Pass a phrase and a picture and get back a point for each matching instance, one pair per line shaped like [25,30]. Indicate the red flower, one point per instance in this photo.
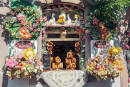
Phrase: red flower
[48,8]
[43,38]
[20,64]
[19,67]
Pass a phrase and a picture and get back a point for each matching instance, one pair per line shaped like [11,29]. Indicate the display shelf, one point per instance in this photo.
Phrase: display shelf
[62,39]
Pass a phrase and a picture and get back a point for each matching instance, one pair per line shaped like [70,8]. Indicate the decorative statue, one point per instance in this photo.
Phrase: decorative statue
[52,21]
[63,34]
[77,23]
[69,20]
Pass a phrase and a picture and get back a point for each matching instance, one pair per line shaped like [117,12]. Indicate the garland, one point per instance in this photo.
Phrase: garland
[23,17]
[96,21]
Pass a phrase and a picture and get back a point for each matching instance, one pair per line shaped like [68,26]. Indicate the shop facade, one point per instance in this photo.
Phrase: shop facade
[61,36]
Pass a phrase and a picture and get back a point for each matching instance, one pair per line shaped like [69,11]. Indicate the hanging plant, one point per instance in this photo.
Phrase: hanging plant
[101,26]
[23,22]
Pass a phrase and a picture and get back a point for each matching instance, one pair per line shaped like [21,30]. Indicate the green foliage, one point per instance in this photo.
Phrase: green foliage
[114,7]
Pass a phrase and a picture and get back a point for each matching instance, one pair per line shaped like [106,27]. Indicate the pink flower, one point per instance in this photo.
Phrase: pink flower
[116,22]
[38,64]
[84,37]
[12,13]
[35,30]
[80,30]
[34,25]
[127,47]
[110,68]
[59,6]
[20,17]
[83,22]
[93,37]
[129,79]
[35,61]
[116,28]
[44,19]
[31,28]
[64,5]
[5,17]
[95,21]
[10,63]
[87,31]
[37,20]
[30,35]
[43,38]
[129,34]
[18,56]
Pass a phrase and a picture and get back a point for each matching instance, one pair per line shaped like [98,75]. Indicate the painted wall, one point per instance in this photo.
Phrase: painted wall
[4,37]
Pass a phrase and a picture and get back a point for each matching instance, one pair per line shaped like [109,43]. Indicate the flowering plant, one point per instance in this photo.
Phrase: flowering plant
[16,67]
[110,68]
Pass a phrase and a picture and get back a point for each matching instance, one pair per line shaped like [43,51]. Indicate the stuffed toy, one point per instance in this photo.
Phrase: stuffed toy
[114,51]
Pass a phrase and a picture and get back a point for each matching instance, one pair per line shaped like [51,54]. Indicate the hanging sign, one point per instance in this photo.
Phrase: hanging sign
[20,45]
[23,44]
[100,47]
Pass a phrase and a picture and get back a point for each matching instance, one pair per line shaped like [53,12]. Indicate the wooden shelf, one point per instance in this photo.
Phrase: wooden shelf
[62,39]
[58,32]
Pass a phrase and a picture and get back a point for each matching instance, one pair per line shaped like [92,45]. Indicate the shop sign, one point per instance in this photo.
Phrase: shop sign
[23,44]
[100,47]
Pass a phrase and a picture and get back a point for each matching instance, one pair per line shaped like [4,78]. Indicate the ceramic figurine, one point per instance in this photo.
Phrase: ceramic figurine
[69,20]
[77,23]
[52,21]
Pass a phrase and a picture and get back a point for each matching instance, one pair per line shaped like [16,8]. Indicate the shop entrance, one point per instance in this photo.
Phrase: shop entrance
[63,45]
[61,48]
